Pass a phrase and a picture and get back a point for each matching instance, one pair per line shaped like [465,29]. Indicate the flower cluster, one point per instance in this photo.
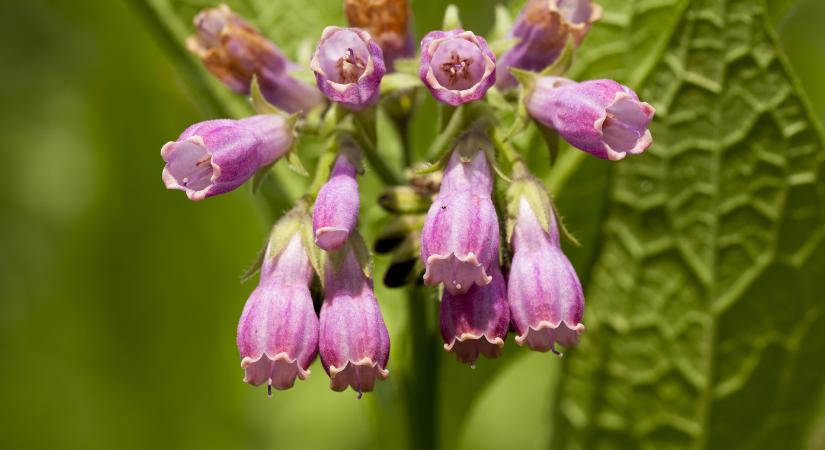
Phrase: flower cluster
[446,230]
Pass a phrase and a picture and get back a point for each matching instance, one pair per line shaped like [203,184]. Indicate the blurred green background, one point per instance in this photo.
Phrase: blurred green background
[119,300]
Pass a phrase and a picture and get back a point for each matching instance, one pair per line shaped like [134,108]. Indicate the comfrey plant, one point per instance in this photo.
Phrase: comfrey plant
[474,224]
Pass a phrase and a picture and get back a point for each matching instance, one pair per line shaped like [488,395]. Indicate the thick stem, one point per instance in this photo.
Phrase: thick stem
[366,135]
[422,378]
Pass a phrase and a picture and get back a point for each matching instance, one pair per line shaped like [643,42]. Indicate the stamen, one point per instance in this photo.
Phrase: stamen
[350,66]
[457,68]
[269,390]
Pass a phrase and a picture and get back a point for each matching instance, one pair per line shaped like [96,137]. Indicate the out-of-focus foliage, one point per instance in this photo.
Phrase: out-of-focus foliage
[119,300]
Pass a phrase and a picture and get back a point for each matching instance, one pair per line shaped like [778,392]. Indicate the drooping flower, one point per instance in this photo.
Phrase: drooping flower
[348,66]
[476,322]
[601,117]
[543,29]
[388,21]
[459,242]
[234,51]
[336,207]
[355,343]
[217,156]
[278,330]
[457,66]
[544,292]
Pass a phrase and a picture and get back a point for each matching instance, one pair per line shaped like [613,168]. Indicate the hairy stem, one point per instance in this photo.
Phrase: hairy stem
[421,382]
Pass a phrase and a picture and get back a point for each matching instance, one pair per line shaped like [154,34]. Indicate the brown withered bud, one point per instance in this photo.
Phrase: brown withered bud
[388,21]
[234,51]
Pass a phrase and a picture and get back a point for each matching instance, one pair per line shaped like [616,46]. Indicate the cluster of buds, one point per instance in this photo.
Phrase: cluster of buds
[446,229]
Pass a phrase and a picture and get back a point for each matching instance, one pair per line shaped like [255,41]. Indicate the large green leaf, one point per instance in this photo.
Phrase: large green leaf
[705,325]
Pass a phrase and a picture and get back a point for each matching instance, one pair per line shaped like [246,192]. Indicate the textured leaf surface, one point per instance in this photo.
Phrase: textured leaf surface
[705,325]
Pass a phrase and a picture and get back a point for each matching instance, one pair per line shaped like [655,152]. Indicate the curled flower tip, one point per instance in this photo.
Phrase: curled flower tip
[388,21]
[459,242]
[278,329]
[234,51]
[544,292]
[354,342]
[543,29]
[456,66]
[348,66]
[601,117]
[476,322]
[335,213]
[217,156]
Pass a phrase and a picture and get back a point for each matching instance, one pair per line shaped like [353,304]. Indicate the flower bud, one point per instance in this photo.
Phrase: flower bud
[348,66]
[601,117]
[388,21]
[476,322]
[456,66]
[544,292]
[355,343]
[234,51]
[336,207]
[543,29]
[404,200]
[278,330]
[459,242]
[217,156]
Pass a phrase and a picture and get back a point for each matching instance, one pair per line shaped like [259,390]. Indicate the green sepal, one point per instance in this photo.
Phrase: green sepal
[261,104]
[399,81]
[286,227]
[259,177]
[525,77]
[452,20]
[502,25]
[294,163]
[551,139]
[255,267]
[562,64]
[315,253]
[356,244]
[477,140]
[532,190]
[500,46]
[404,200]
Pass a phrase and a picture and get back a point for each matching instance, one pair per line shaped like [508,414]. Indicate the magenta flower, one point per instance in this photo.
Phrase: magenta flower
[459,242]
[278,330]
[348,66]
[234,51]
[355,343]
[217,156]
[543,27]
[476,322]
[546,299]
[456,66]
[336,207]
[601,117]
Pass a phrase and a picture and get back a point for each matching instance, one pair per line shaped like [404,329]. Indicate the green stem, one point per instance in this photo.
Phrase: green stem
[322,170]
[422,378]
[367,136]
